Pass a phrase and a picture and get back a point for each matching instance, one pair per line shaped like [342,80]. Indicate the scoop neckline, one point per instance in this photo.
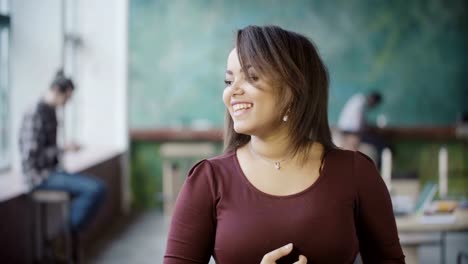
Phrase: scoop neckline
[309,188]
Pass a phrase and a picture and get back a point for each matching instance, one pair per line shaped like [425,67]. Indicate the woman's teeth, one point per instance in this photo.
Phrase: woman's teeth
[237,107]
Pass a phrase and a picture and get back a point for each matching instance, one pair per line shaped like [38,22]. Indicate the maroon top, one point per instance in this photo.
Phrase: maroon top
[347,210]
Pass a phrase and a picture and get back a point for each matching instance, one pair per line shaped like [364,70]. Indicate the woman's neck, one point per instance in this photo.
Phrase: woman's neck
[279,149]
[271,148]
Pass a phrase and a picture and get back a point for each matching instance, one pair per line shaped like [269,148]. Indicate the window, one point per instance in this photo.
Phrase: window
[5,125]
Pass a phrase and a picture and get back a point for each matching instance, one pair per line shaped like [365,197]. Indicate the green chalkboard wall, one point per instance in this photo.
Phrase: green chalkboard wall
[414,52]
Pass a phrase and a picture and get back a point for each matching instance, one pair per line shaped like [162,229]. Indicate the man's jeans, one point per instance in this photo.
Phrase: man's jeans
[87,194]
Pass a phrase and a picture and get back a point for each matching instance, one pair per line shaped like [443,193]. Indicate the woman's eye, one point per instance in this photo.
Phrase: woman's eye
[254,78]
[227,82]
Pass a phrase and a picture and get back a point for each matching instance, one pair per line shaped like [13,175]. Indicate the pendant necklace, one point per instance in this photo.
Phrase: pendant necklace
[277,164]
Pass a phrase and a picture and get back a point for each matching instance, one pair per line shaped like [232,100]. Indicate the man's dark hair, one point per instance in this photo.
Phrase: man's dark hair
[62,83]
[376,97]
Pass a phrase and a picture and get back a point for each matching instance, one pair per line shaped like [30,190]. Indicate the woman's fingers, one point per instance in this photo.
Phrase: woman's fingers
[276,254]
[302,260]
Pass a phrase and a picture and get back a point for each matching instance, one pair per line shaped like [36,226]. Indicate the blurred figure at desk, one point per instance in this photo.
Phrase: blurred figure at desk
[354,127]
[41,156]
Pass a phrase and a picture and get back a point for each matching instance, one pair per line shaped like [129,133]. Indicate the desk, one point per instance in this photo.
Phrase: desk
[411,225]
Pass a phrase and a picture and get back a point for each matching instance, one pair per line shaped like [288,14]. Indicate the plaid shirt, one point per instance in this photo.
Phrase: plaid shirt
[40,154]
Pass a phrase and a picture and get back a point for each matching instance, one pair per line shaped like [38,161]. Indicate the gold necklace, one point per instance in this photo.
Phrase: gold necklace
[277,164]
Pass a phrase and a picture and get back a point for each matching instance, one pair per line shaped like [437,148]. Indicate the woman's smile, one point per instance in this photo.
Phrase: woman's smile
[241,108]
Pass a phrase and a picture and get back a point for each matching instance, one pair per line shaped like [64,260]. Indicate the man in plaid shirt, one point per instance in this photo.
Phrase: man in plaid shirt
[38,141]
[41,156]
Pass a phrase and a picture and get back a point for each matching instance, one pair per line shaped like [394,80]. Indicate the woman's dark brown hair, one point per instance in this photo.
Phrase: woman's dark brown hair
[291,60]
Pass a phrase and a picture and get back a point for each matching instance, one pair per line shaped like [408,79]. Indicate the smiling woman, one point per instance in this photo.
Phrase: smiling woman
[281,192]
[274,66]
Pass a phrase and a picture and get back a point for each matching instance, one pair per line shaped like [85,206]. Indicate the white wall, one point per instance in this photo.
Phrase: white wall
[99,110]
[35,49]
[102,72]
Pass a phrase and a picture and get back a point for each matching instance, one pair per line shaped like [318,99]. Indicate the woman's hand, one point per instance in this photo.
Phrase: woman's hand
[276,254]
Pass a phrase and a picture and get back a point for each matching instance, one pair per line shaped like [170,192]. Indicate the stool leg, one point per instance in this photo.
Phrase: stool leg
[66,232]
[37,232]
[76,254]
[46,243]
[43,231]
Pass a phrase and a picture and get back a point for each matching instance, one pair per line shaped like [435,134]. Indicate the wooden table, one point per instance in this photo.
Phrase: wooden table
[411,225]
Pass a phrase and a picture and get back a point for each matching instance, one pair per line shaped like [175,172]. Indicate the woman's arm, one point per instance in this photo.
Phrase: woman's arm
[375,222]
[193,226]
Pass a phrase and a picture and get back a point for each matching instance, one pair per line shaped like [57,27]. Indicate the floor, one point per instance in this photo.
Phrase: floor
[140,239]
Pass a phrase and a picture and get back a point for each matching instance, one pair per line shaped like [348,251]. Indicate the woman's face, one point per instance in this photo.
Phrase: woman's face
[253,106]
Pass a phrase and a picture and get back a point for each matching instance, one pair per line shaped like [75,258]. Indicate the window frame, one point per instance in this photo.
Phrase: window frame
[5,97]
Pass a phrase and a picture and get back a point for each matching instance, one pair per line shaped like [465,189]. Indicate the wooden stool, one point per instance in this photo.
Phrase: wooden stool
[45,227]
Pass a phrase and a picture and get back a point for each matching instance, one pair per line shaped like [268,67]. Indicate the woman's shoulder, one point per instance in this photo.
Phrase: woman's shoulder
[214,172]
[226,159]
[339,154]
[348,160]
[215,164]
[352,167]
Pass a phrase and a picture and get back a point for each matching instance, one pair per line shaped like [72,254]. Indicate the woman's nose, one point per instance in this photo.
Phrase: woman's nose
[237,87]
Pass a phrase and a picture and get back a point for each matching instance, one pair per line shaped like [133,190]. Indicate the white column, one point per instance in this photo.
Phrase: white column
[443,172]
[386,169]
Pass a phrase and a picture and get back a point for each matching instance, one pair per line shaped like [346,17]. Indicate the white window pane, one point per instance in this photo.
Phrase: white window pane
[5,154]
[4,7]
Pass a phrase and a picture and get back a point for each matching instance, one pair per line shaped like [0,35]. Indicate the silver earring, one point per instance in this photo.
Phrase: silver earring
[285,117]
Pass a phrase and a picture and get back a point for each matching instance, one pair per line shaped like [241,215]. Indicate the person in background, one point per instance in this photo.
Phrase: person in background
[282,192]
[41,157]
[353,125]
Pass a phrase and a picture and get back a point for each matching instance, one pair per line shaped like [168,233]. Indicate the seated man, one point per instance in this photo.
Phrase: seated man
[41,157]
[354,126]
